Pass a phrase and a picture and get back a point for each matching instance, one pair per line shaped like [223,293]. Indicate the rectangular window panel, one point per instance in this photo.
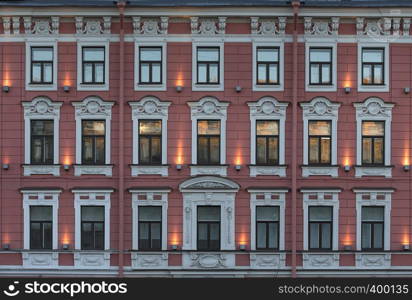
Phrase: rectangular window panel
[202,73]
[150,127]
[273,74]
[320,55]
[207,54]
[373,128]
[267,54]
[93,54]
[319,128]
[313,150]
[314,74]
[150,54]
[213,73]
[261,236]
[320,213]
[367,74]
[262,74]
[41,227]
[267,213]
[326,71]
[99,73]
[156,73]
[36,72]
[88,73]
[372,55]
[378,74]
[314,235]
[325,154]
[366,236]
[373,213]
[144,72]
[42,145]
[267,127]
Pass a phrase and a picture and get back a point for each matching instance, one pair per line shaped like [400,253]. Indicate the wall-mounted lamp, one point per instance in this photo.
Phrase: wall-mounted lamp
[347,90]
[175,247]
[346,168]
[6,88]
[179,88]
[238,89]
[178,167]
[238,167]
[66,88]
[406,168]
[65,246]
[6,246]
[407,90]
[6,166]
[242,247]
[406,247]
[347,248]
[66,167]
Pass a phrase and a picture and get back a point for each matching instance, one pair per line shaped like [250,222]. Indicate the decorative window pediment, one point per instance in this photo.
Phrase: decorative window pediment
[321,28]
[93,106]
[151,107]
[320,107]
[208,26]
[41,26]
[268,107]
[374,108]
[152,26]
[208,107]
[93,26]
[383,28]
[208,182]
[42,107]
[269,27]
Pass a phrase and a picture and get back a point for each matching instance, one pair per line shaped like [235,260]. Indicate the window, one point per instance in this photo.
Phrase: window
[150,65]
[93,65]
[208,228]
[41,233]
[372,227]
[150,142]
[373,137]
[373,66]
[41,65]
[319,142]
[320,227]
[93,142]
[320,61]
[42,141]
[267,142]
[150,227]
[92,227]
[267,61]
[208,60]
[267,227]
[208,142]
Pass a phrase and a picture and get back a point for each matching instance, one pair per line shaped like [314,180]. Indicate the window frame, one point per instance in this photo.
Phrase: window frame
[320,228]
[373,64]
[267,230]
[208,136]
[151,163]
[373,143]
[139,226]
[319,139]
[93,223]
[93,63]
[266,137]
[43,162]
[42,66]
[94,142]
[267,66]
[321,63]
[372,223]
[208,223]
[41,229]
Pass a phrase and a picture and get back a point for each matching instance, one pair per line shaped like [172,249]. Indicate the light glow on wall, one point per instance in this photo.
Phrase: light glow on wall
[406,154]
[66,81]
[174,239]
[405,237]
[6,77]
[6,238]
[347,239]
[179,80]
[347,81]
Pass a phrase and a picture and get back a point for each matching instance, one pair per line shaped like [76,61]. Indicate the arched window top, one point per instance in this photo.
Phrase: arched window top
[93,106]
[208,106]
[320,106]
[208,182]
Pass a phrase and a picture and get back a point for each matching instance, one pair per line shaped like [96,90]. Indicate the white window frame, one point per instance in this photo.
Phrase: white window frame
[149,202]
[41,108]
[209,190]
[373,201]
[373,109]
[92,87]
[320,108]
[208,87]
[321,88]
[374,88]
[150,87]
[79,201]
[268,88]
[93,108]
[41,43]
[35,197]
[267,108]
[209,108]
[267,201]
[321,201]
[149,108]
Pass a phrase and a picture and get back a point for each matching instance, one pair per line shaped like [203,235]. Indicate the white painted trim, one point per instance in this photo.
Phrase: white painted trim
[321,201]
[267,201]
[270,43]
[153,87]
[91,200]
[387,65]
[209,108]
[373,201]
[40,200]
[322,44]
[149,202]
[98,42]
[199,42]
[41,43]
[208,170]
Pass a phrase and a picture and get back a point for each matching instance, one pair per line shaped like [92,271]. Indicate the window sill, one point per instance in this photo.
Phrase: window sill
[150,87]
[207,87]
[29,170]
[40,259]
[373,88]
[321,88]
[93,170]
[320,260]
[220,170]
[92,87]
[97,259]
[385,171]
[150,260]
[267,260]
[373,260]
[137,170]
[268,88]
[207,260]
[256,170]
[41,87]
[319,170]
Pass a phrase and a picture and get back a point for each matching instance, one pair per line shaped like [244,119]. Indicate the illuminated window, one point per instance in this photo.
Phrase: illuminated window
[42,141]
[320,142]
[150,227]
[93,142]
[373,66]
[320,227]
[208,142]
[372,227]
[267,227]
[150,65]
[208,60]
[373,139]
[320,60]
[267,61]
[41,65]
[150,141]
[41,224]
[93,65]
[92,227]
[208,228]
[267,142]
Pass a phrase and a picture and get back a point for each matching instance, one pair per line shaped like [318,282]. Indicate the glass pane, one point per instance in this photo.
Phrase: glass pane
[87,236]
[87,149]
[215,150]
[378,150]
[88,73]
[373,128]
[208,213]
[268,54]
[314,235]
[319,128]
[367,150]
[314,150]
[152,127]
[202,150]
[41,213]
[42,127]
[273,150]
[100,150]
[207,54]
[42,54]
[326,235]
[93,54]
[314,74]
[261,235]
[202,232]
[326,74]
[261,150]
[37,150]
[213,73]
[156,73]
[366,236]
[144,151]
[320,55]
[325,150]
[93,127]
[273,235]
[267,213]
[378,74]
[36,72]
[267,128]
[208,127]
[262,74]
[367,74]
[156,150]
[144,73]
[143,231]
[99,73]
[48,149]
[93,213]
[47,235]
[214,243]
[150,213]
[151,54]
[201,73]
[98,236]
[378,235]
[320,213]
[35,236]
[48,73]
[273,74]
[372,213]
[156,234]
[372,55]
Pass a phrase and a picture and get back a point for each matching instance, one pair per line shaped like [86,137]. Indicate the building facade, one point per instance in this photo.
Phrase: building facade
[219,139]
